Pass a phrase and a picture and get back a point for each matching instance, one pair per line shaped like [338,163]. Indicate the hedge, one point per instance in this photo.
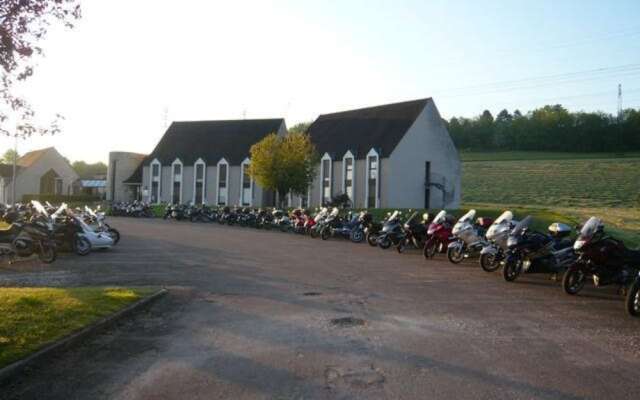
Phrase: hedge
[57,199]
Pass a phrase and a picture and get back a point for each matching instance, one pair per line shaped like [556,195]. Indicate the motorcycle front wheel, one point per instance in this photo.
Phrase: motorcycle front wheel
[455,255]
[402,245]
[82,246]
[510,271]
[372,239]
[47,253]
[430,249]
[324,235]
[115,235]
[489,262]
[633,299]
[573,280]
[356,236]
[384,243]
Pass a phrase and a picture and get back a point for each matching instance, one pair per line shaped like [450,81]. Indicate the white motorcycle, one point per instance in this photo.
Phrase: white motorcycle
[98,239]
[493,254]
[99,218]
[469,240]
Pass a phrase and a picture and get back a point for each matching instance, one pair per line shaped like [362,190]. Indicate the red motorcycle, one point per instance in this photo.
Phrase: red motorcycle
[298,219]
[607,261]
[438,235]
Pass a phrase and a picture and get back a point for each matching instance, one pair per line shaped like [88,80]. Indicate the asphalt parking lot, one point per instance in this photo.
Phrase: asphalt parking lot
[264,315]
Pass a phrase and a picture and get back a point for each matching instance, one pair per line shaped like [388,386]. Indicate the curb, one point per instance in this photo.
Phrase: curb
[66,342]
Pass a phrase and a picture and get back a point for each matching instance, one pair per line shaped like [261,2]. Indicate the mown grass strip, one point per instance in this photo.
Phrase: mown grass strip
[35,317]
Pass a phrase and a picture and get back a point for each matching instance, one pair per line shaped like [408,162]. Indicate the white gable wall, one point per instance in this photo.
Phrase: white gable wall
[426,140]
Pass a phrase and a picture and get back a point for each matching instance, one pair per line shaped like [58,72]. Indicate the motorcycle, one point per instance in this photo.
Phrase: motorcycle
[67,232]
[99,239]
[318,222]
[281,220]
[371,228]
[468,237]
[493,254]
[438,235]
[99,219]
[175,211]
[392,231]
[24,239]
[535,252]
[348,227]
[607,261]
[415,232]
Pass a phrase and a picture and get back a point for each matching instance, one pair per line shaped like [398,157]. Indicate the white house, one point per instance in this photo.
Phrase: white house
[397,155]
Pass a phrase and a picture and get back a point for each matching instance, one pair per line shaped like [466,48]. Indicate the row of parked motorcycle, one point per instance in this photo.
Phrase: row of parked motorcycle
[591,254]
[136,209]
[41,230]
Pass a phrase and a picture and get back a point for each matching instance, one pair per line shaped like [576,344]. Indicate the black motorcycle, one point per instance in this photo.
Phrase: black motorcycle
[23,239]
[415,232]
[370,228]
[175,211]
[607,261]
[534,252]
[392,231]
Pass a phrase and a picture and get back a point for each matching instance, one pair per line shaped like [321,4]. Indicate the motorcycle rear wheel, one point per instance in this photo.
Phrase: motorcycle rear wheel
[455,255]
[402,245]
[324,235]
[573,281]
[632,301]
[488,262]
[47,254]
[356,236]
[372,239]
[115,235]
[313,232]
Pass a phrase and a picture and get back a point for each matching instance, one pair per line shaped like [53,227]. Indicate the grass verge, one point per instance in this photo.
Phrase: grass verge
[35,317]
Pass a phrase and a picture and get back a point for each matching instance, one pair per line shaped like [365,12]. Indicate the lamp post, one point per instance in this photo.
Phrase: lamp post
[15,157]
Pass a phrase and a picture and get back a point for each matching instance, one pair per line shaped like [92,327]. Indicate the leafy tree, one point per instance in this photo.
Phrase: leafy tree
[9,156]
[284,163]
[300,127]
[23,24]
[86,170]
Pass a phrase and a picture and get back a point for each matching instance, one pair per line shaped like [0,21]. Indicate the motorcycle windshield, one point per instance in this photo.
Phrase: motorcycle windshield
[411,218]
[39,207]
[59,211]
[521,226]
[89,211]
[503,220]
[394,216]
[334,212]
[440,217]
[467,217]
[590,228]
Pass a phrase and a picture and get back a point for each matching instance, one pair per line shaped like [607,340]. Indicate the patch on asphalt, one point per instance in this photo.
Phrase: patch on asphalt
[360,378]
[311,294]
[347,322]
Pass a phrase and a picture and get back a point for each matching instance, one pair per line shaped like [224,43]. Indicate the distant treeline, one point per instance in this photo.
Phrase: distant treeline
[550,128]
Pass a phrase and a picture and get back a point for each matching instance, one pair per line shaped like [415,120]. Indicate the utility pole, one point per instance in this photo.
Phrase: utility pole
[619,102]
[15,160]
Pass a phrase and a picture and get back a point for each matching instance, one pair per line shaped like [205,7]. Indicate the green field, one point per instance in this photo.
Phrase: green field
[575,186]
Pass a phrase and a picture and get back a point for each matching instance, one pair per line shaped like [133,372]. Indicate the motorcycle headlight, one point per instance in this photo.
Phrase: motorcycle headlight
[512,241]
[579,244]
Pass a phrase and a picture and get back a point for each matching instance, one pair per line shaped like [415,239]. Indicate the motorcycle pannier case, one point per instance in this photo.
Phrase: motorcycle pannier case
[559,230]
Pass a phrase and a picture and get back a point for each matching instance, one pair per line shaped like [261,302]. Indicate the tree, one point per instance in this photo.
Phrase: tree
[284,163]
[9,156]
[23,24]
[85,170]
[300,127]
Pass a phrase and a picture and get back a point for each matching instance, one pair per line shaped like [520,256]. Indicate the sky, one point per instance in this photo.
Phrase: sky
[130,67]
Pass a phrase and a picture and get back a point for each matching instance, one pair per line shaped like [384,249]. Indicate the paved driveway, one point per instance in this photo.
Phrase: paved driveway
[249,316]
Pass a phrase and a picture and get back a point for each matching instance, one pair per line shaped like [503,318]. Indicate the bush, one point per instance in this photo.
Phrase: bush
[57,199]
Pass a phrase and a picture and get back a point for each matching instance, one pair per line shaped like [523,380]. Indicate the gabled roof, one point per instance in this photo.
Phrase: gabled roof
[211,140]
[380,127]
[31,157]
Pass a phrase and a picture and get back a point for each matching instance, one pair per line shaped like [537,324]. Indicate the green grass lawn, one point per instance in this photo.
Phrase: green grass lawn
[33,317]
[539,155]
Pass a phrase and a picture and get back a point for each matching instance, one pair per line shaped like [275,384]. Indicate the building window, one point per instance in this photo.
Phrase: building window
[246,184]
[155,181]
[176,193]
[325,180]
[198,182]
[58,186]
[372,179]
[223,178]
[347,176]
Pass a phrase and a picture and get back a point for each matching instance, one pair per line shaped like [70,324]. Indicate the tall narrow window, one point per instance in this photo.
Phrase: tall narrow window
[198,182]
[246,184]
[223,178]
[372,179]
[325,179]
[155,181]
[176,193]
[348,162]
